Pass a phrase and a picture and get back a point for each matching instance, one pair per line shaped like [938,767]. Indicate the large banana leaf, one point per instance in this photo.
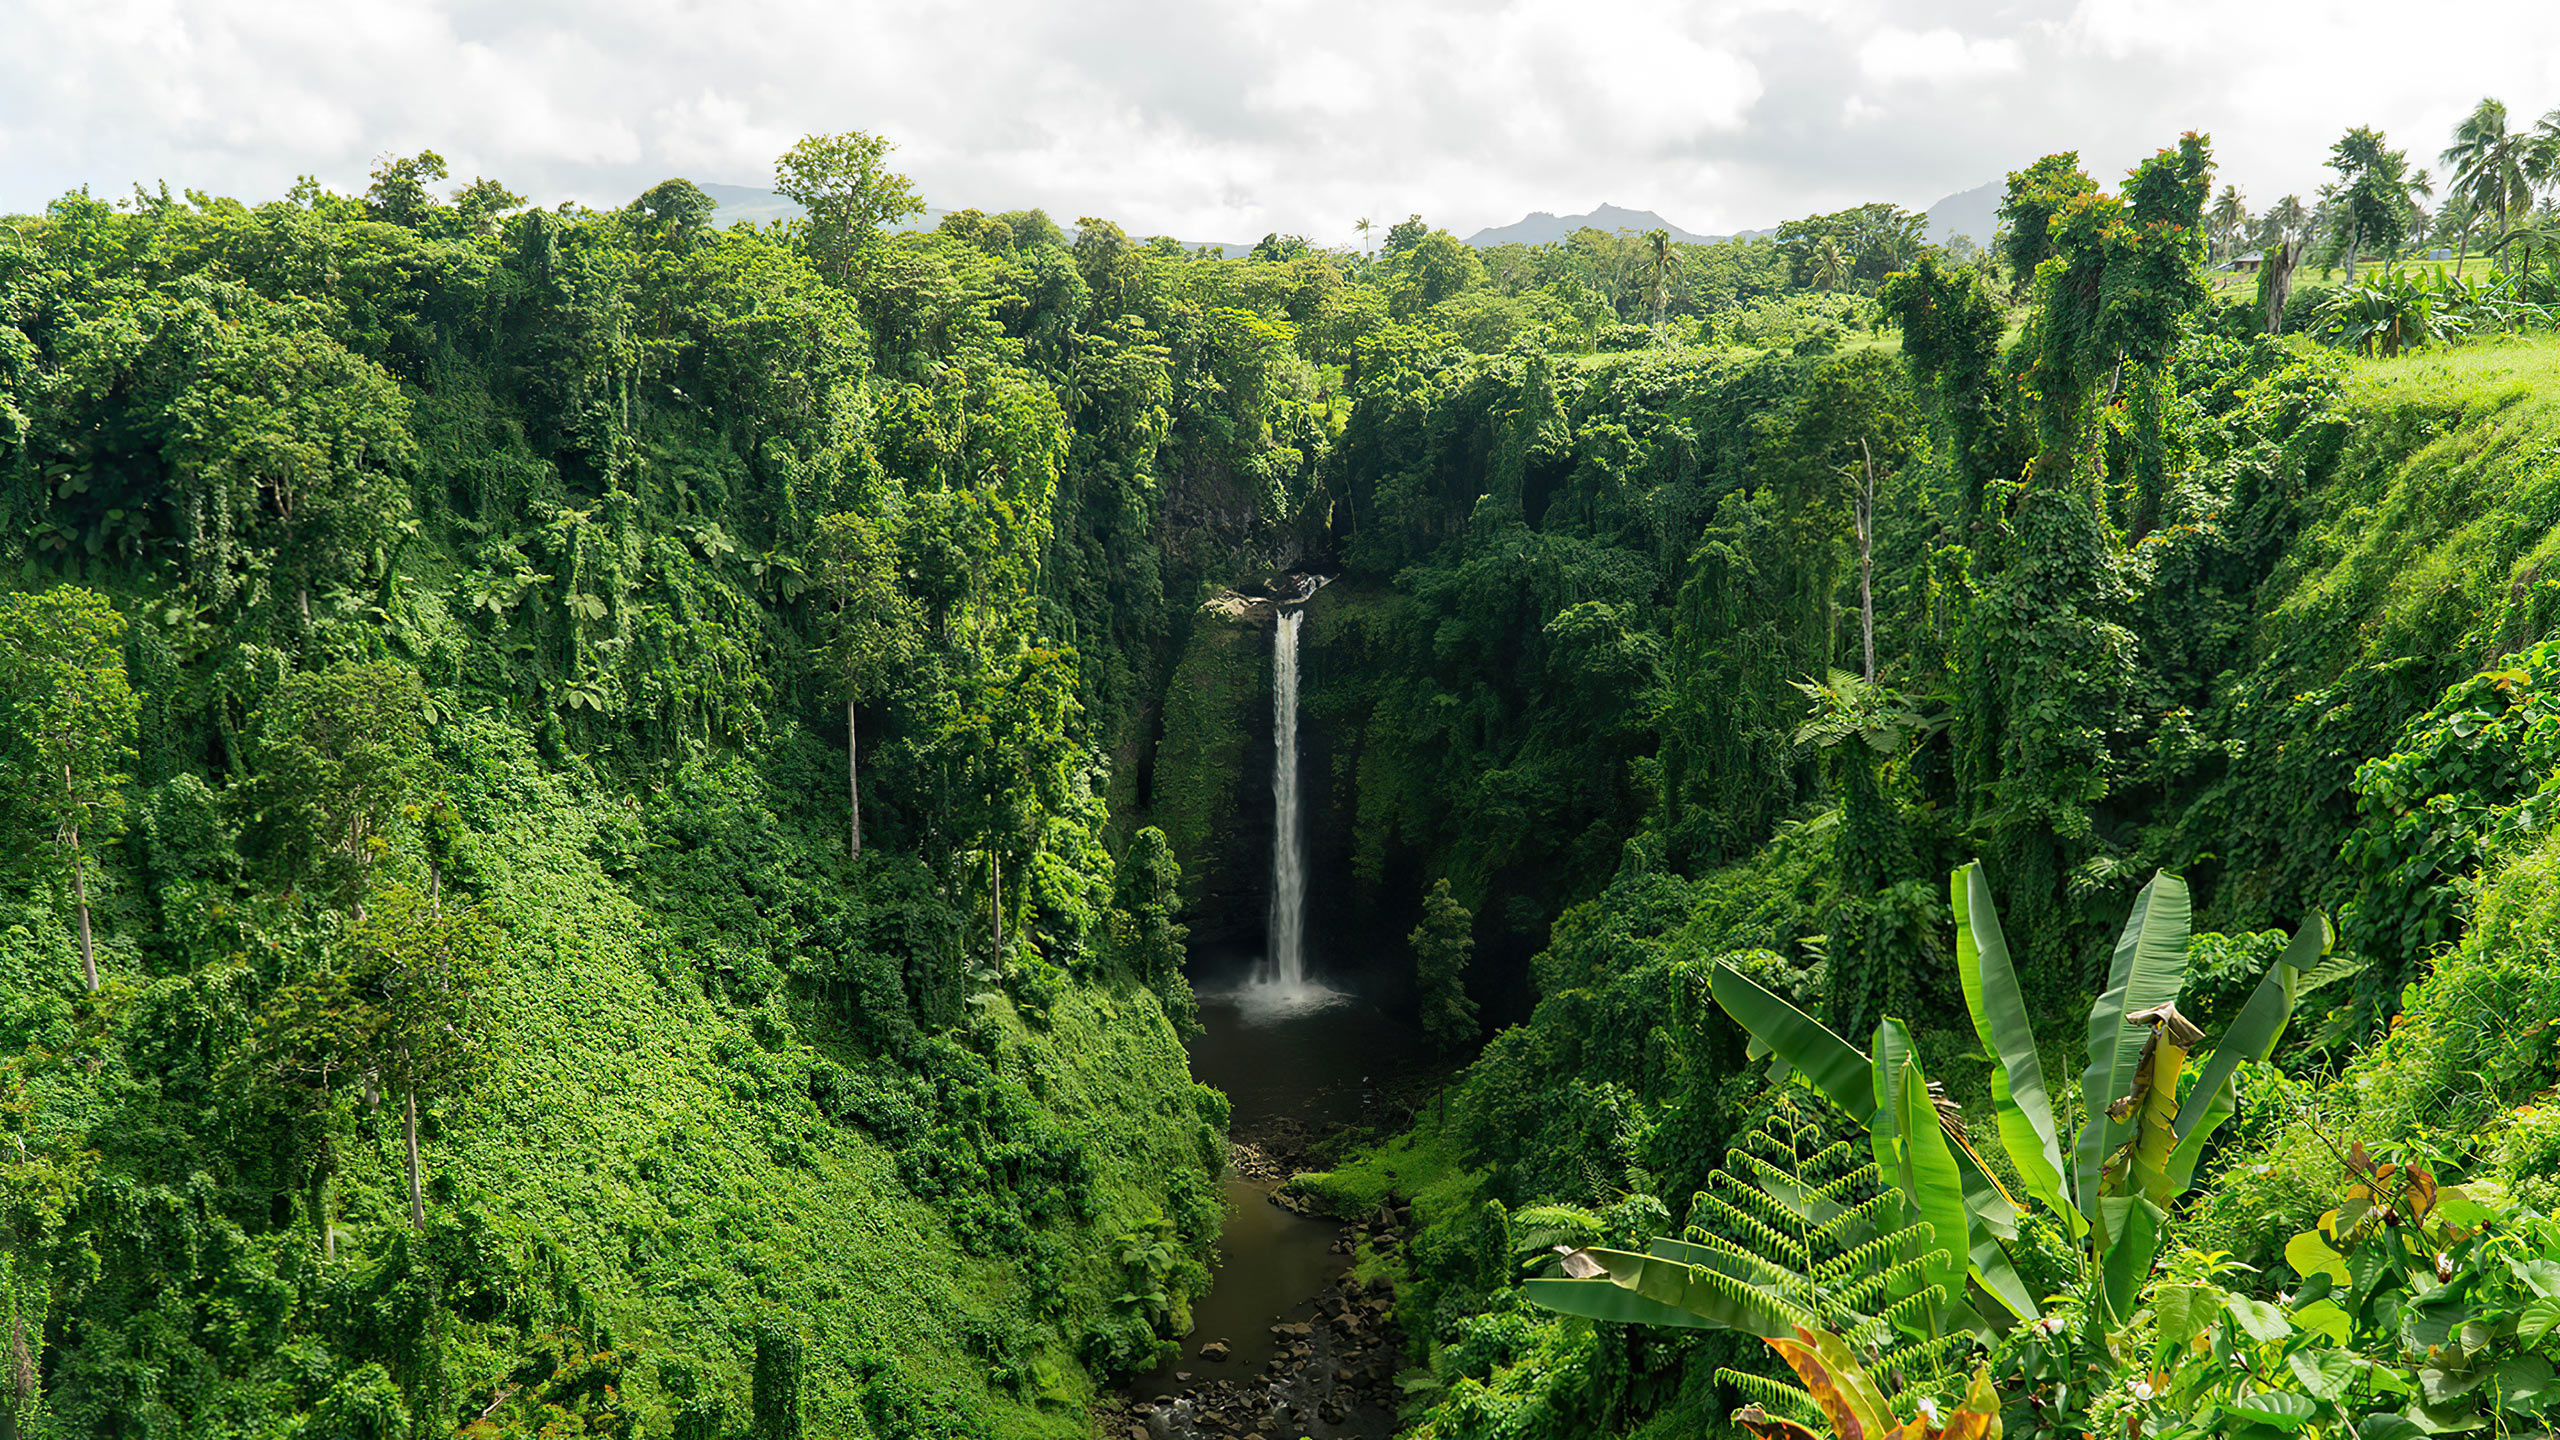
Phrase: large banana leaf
[1711,1291]
[1833,1065]
[1847,1077]
[2252,1036]
[1930,1180]
[1889,1050]
[1599,1299]
[2135,1223]
[1980,1204]
[2150,965]
[1998,1275]
[1999,1009]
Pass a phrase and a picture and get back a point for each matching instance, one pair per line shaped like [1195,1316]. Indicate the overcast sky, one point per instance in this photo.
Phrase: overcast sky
[1224,121]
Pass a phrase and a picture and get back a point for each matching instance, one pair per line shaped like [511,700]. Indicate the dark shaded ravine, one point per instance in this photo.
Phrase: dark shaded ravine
[1285,1342]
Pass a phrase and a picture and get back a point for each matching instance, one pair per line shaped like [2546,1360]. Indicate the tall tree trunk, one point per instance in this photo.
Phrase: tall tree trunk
[80,898]
[852,780]
[320,1164]
[1867,558]
[22,1376]
[409,1134]
[995,899]
[2280,284]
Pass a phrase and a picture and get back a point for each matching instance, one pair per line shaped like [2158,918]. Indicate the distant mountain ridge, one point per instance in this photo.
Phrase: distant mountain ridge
[1971,212]
[1974,212]
[1542,228]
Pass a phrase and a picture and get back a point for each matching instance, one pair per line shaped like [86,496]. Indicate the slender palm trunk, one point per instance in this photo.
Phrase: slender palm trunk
[852,780]
[321,1164]
[409,1134]
[1867,558]
[80,899]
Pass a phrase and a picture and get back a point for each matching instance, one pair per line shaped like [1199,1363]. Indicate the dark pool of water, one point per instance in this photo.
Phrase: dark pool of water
[1320,1065]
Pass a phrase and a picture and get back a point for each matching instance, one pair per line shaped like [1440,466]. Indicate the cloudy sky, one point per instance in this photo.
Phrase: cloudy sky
[1224,121]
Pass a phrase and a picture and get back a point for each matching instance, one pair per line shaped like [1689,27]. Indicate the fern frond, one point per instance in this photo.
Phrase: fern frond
[1863,1220]
[1742,1292]
[1789,1402]
[1786,1248]
[1877,1253]
[1910,1314]
[1540,1228]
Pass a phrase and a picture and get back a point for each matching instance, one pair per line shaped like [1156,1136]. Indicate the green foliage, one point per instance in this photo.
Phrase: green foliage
[2421,1308]
[848,195]
[1147,935]
[1857,247]
[341,758]
[775,1414]
[519,564]
[67,713]
[1441,945]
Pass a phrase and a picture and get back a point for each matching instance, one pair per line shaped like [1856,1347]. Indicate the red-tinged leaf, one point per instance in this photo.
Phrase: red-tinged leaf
[1771,1427]
[1849,1397]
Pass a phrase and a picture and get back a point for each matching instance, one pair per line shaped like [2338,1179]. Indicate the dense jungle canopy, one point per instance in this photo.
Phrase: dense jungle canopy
[603,812]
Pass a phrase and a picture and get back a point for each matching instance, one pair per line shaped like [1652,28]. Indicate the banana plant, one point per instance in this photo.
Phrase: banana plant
[2136,1149]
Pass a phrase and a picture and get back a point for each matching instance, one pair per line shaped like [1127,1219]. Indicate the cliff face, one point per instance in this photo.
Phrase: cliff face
[1209,786]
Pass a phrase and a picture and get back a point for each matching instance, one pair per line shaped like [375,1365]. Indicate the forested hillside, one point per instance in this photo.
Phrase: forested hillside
[602,812]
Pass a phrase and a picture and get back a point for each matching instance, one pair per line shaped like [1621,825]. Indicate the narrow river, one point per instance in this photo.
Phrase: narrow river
[1295,1074]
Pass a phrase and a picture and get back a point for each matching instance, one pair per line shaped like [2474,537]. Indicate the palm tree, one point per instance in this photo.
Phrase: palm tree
[2488,162]
[1660,261]
[2287,219]
[2542,153]
[1830,267]
[1363,227]
[2229,220]
[2376,197]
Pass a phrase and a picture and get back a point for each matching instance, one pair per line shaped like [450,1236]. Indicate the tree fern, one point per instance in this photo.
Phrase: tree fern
[1813,1234]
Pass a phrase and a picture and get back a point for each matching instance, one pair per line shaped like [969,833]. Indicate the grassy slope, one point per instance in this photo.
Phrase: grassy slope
[628,1112]
[2441,518]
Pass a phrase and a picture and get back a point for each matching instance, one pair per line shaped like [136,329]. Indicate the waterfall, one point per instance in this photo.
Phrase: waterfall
[1288,957]
[1281,985]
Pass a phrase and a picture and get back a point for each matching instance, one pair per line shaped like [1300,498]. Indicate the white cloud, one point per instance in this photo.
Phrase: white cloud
[1941,56]
[1222,121]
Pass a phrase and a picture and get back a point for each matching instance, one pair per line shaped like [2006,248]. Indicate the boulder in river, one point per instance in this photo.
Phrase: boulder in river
[1216,1351]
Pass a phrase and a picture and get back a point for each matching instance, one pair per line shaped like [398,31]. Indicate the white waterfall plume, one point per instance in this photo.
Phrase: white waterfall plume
[1281,985]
